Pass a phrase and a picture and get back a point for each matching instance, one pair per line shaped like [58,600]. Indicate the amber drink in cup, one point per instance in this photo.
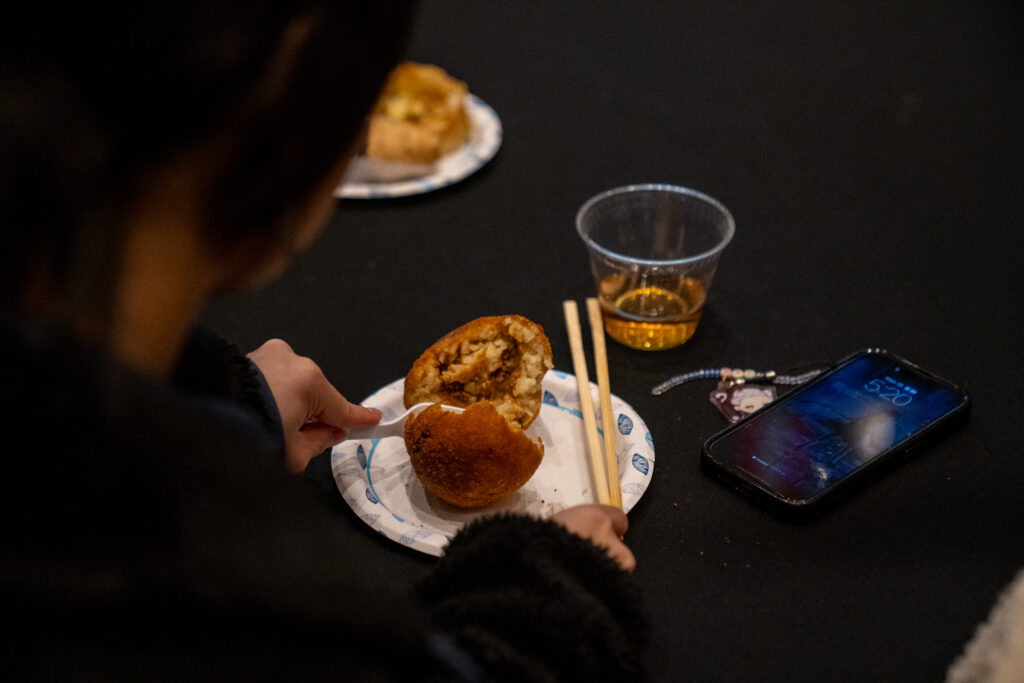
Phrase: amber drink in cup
[653,252]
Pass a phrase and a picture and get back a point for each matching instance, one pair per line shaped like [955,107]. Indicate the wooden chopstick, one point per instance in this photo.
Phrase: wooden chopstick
[605,395]
[579,363]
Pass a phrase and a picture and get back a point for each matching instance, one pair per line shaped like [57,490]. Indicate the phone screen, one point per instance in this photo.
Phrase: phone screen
[810,440]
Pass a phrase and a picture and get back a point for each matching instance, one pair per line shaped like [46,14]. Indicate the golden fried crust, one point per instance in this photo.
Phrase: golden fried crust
[500,359]
[470,459]
[419,117]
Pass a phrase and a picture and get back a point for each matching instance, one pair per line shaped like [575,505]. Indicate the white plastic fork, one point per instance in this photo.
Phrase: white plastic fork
[395,426]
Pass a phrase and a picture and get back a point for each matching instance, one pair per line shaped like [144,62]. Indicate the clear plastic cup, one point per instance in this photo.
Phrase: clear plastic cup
[653,252]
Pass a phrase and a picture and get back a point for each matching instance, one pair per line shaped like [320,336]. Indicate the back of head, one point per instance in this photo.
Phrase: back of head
[95,97]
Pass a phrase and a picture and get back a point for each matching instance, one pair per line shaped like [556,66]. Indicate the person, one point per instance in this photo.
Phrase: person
[995,652]
[151,158]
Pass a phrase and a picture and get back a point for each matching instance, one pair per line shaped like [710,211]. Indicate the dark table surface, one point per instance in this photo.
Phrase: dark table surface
[871,155]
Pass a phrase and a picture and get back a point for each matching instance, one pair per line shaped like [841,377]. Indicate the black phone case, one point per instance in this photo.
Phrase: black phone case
[751,488]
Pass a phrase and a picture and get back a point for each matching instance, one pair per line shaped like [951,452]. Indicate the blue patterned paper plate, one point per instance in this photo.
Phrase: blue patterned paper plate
[377,481]
[484,141]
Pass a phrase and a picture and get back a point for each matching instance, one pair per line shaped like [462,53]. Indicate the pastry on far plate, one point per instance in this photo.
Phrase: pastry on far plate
[419,117]
[492,366]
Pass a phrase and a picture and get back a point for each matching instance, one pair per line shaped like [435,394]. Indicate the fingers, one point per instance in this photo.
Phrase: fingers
[336,410]
[618,518]
[303,393]
[622,555]
[270,350]
[612,542]
[314,415]
[604,526]
[308,442]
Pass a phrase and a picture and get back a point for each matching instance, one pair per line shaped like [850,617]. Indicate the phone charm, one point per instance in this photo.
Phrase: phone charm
[739,392]
[736,374]
[736,400]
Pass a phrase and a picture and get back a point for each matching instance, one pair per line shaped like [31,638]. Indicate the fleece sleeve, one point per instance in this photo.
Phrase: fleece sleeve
[525,600]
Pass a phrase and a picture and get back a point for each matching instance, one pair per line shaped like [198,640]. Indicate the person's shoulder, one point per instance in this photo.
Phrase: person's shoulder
[168,514]
[996,652]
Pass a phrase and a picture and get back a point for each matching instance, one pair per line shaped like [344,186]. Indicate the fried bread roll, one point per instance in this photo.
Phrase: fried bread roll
[494,367]
[470,459]
[419,117]
[501,359]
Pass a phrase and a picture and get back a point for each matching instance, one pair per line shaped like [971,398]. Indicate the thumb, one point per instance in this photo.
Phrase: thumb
[337,411]
[305,444]
[361,416]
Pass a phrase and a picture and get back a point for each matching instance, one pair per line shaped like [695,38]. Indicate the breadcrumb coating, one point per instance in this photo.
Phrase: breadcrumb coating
[494,367]
[470,459]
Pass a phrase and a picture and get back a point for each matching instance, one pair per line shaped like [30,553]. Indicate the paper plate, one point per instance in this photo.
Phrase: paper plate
[376,479]
[484,141]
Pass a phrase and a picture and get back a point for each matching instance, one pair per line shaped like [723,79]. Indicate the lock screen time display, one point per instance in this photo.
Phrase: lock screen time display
[810,440]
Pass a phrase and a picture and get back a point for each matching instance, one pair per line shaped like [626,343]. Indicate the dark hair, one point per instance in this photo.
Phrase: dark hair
[90,100]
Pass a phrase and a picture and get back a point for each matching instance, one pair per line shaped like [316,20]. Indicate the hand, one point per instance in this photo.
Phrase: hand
[602,525]
[314,415]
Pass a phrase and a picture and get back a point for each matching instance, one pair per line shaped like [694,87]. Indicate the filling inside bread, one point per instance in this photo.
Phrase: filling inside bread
[495,370]
[503,365]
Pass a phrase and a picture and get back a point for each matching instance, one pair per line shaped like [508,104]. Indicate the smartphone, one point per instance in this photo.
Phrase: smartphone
[807,449]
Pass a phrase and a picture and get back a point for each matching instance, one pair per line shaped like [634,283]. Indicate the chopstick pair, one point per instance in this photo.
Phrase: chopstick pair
[605,469]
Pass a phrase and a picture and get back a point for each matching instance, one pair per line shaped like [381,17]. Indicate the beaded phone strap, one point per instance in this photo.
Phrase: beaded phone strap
[737,375]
